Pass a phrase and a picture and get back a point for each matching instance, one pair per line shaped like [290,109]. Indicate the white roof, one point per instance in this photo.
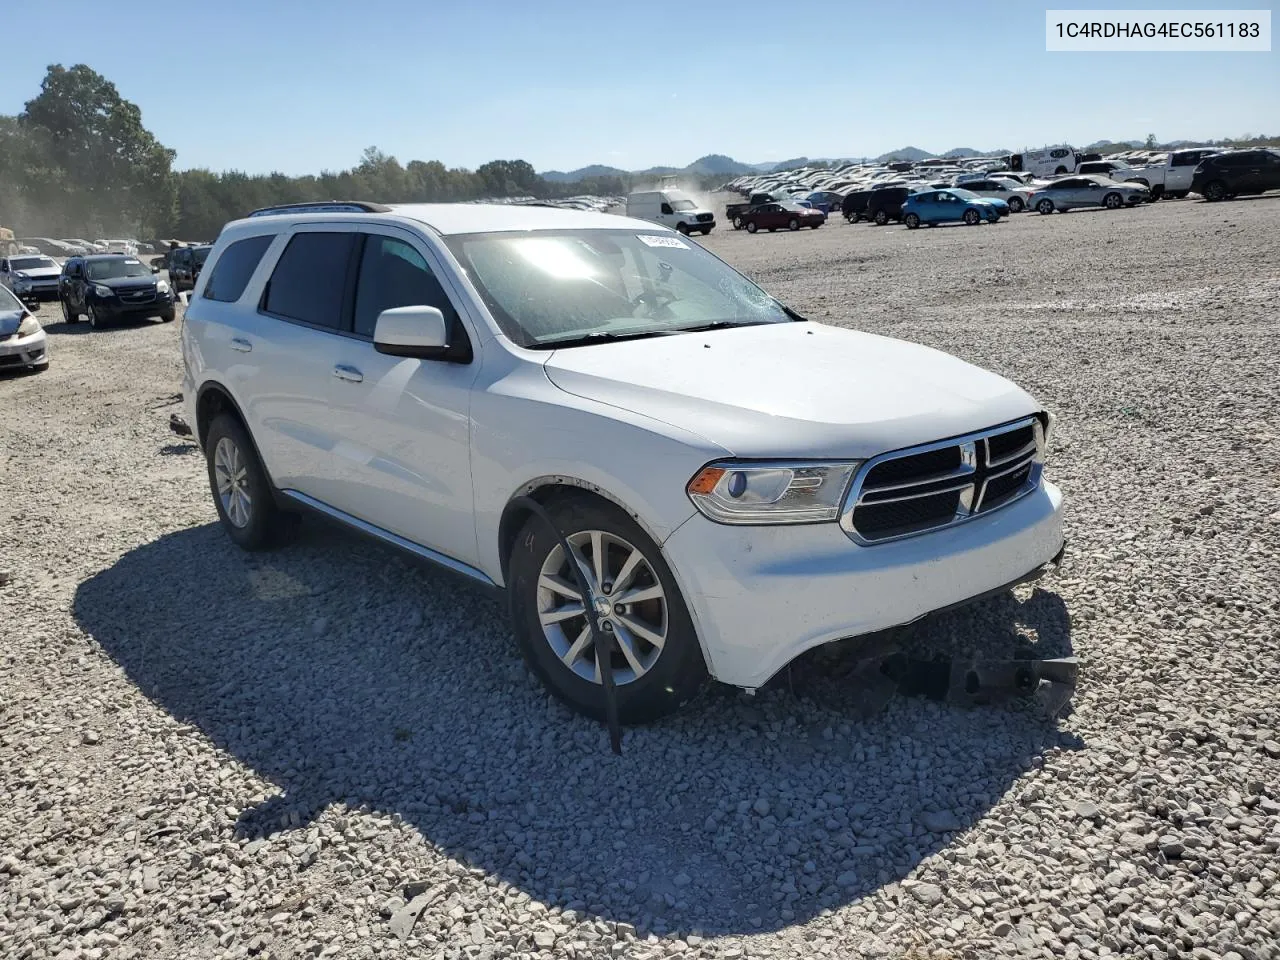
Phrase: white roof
[453,218]
[450,218]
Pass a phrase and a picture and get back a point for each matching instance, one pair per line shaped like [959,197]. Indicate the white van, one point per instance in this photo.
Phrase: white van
[1049,162]
[671,208]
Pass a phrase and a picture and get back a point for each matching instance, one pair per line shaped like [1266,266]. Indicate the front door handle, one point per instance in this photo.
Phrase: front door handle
[350,374]
[241,344]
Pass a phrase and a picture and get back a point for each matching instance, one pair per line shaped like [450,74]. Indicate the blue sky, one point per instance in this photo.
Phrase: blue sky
[262,85]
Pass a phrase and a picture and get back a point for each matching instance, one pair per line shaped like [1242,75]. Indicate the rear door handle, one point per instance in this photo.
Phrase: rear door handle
[241,344]
[350,374]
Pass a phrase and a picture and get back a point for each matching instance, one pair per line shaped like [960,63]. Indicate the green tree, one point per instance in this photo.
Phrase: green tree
[1151,141]
[110,163]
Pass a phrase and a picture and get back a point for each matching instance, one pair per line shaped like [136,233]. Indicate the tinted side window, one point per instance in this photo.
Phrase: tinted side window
[394,274]
[308,282]
[234,268]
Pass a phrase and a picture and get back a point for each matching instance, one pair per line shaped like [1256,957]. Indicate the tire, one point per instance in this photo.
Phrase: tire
[1157,193]
[1045,206]
[1061,171]
[751,226]
[1215,190]
[881,218]
[850,218]
[683,228]
[793,224]
[255,522]
[1113,201]
[167,316]
[814,226]
[1016,205]
[737,223]
[706,232]
[912,221]
[67,315]
[671,674]
[972,217]
[95,321]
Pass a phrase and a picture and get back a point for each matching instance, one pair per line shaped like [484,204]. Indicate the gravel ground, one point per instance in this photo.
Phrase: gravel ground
[210,754]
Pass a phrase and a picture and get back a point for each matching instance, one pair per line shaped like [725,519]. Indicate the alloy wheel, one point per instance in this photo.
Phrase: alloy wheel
[625,593]
[232,475]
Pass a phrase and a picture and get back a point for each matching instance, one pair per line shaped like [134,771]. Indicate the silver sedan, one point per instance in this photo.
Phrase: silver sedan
[1071,192]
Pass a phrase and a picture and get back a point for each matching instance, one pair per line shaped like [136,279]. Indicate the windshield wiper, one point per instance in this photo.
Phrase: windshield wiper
[600,336]
[726,324]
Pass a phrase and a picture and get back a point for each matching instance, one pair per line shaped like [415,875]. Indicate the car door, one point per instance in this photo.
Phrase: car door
[402,458]
[281,355]
[1269,171]
[947,206]
[71,286]
[6,274]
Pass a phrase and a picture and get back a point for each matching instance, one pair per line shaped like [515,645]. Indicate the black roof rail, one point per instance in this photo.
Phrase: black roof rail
[323,206]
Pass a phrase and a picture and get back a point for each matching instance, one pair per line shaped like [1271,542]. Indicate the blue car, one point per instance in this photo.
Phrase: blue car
[951,205]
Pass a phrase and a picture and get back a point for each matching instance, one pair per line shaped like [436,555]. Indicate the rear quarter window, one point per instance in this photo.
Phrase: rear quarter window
[232,270]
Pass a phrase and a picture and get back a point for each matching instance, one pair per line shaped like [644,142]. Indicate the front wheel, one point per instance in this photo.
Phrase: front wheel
[793,224]
[95,319]
[971,217]
[683,228]
[1045,206]
[912,221]
[1113,201]
[241,491]
[656,660]
[751,226]
[1016,205]
[167,316]
[881,218]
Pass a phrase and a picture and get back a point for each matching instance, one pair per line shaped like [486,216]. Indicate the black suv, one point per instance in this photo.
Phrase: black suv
[854,207]
[1240,171]
[111,287]
[185,264]
[886,204]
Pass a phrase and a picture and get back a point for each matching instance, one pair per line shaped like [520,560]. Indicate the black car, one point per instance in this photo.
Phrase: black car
[111,287]
[185,264]
[854,207]
[885,204]
[1240,171]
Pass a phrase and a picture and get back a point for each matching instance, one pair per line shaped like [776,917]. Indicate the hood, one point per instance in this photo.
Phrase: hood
[793,389]
[40,273]
[10,320]
[129,283]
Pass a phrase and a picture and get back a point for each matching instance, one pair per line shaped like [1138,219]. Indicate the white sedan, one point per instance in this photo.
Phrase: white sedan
[1008,191]
[23,342]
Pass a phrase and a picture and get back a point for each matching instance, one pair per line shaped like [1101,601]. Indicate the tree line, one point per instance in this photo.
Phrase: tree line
[78,162]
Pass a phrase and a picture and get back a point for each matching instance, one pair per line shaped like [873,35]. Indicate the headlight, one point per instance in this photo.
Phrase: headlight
[162,287]
[767,493]
[19,275]
[29,326]
[101,290]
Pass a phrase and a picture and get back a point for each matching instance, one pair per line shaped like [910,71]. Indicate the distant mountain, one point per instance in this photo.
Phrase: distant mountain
[914,154]
[573,176]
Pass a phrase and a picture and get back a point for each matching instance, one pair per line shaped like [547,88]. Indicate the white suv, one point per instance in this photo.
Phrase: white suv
[737,484]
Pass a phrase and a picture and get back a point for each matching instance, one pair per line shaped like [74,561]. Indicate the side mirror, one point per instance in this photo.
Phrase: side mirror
[418,331]
[185,298]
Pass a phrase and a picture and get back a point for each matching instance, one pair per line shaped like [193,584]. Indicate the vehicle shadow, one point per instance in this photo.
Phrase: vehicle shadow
[343,674]
[1251,198]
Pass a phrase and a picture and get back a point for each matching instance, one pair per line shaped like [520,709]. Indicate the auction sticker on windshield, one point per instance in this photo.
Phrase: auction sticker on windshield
[652,240]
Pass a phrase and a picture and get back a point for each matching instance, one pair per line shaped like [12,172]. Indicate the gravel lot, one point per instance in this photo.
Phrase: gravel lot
[209,754]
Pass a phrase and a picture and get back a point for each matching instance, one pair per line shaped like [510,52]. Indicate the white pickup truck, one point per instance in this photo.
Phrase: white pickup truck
[1167,175]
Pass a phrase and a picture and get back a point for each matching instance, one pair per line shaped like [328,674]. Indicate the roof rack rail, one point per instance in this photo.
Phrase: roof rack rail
[323,206]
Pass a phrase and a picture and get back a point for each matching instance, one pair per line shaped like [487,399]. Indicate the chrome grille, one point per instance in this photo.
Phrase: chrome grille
[924,488]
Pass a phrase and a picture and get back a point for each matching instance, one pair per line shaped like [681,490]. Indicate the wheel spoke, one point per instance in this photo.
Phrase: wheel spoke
[597,557]
[557,585]
[560,614]
[644,593]
[574,653]
[642,630]
[628,571]
[626,643]
[577,557]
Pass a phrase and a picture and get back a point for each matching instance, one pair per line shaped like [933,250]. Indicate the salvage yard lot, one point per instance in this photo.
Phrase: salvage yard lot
[206,753]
